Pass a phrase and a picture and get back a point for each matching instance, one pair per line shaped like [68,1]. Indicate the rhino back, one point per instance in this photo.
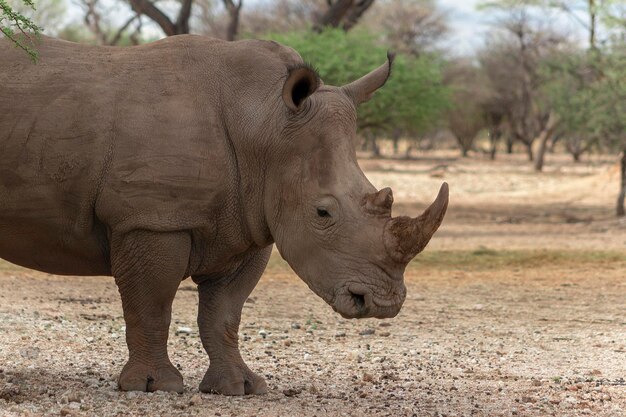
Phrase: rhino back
[96,139]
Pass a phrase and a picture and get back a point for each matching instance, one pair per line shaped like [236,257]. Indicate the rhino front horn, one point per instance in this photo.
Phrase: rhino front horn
[405,237]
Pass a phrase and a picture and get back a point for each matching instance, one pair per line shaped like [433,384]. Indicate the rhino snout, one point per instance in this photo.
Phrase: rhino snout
[358,301]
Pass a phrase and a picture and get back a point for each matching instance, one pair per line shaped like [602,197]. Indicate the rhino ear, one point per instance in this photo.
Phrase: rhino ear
[301,82]
[362,89]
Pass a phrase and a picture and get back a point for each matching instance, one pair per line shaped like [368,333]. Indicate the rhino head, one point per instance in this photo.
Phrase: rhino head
[328,221]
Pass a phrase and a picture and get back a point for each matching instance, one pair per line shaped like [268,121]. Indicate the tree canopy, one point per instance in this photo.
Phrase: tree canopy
[414,97]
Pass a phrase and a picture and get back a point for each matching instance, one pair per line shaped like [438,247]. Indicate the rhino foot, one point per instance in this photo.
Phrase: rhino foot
[141,377]
[233,380]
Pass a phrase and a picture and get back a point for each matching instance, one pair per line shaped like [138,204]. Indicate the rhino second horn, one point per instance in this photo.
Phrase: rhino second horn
[380,202]
[405,237]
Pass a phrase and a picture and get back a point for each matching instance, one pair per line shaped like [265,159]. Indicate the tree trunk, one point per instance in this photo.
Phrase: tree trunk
[541,154]
[494,138]
[592,24]
[464,145]
[529,151]
[233,8]
[576,156]
[395,137]
[370,139]
[375,147]
[407,153]
[622,194]
[544,137]
[509,144]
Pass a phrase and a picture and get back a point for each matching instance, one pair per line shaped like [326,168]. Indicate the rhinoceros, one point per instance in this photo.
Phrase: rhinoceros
[191,157]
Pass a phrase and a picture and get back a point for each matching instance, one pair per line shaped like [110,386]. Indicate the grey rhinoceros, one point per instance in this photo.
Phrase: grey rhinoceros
[191,157]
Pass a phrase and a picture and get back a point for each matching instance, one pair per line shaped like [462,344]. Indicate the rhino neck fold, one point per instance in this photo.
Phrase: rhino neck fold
[250,169]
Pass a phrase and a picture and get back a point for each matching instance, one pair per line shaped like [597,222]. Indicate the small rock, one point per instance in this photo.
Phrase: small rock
[367,331]
[295,326]
[66,411]
[367,377]
[292,392]
[340,334]
[536,383]
[30,353]
[287,343]
[73,397]
[263,333]
[596,372]
[384,324]
[307,356]
[569,401]
[92,382]
[184,331]
[195,400]
[355,355]
[384,334]
[378,359]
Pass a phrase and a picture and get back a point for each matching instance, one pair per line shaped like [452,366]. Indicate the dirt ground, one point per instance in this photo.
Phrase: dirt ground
[517,308]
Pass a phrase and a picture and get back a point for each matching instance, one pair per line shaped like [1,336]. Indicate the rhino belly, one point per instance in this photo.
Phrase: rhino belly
[41,246]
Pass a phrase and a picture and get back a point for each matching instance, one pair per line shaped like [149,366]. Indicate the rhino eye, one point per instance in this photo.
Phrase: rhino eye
[323,212]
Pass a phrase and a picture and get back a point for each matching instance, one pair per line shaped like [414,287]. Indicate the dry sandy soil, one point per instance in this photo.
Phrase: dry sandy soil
[518,307]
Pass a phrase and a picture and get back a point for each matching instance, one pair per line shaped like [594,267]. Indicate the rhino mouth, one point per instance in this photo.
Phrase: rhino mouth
[357,301]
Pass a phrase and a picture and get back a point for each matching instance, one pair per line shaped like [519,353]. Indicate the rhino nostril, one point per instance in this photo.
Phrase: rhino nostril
[359,300]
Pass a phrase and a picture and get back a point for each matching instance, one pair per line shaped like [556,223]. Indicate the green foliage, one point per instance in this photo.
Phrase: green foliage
[588,91]
[412,99]
[15,26]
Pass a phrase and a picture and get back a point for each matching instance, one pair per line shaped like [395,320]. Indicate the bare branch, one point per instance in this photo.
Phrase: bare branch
[147,8]
[334,15]
[355,13]
[118,35]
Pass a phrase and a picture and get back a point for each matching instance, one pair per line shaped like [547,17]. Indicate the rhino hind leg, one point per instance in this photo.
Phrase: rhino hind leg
[148,268]
[219,314]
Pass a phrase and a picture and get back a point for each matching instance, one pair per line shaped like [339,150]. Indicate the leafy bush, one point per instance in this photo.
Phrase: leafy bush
[413,99]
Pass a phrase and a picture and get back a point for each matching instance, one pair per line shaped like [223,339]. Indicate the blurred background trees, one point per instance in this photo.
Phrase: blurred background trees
[529,86]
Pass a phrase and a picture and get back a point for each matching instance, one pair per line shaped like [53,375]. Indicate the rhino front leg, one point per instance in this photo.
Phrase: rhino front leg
[148,268]
[219,314]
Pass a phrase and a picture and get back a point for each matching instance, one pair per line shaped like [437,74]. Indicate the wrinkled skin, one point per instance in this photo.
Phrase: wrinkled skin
[190,157]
